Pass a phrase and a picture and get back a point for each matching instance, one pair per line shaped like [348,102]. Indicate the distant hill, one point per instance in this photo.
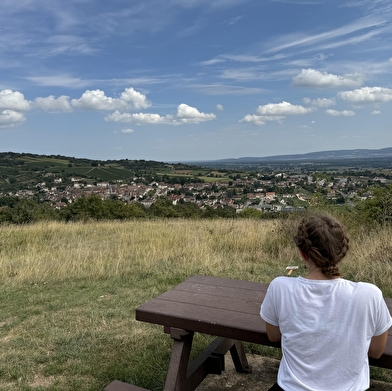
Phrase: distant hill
[25,170]
[323,155]
[353,158]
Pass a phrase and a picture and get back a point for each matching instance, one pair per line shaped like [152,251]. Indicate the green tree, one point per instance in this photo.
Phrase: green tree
[378,208]
[250,213]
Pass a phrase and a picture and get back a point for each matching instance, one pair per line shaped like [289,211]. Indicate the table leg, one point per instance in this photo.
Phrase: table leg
[183,376]
[239,358]
[177,373]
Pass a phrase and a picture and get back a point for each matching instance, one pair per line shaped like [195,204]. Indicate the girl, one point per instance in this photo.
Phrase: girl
[327,325]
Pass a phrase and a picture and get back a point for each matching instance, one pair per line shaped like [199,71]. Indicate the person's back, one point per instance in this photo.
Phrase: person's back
[326,323]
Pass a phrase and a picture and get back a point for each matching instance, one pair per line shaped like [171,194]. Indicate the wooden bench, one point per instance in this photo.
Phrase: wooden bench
[225,308]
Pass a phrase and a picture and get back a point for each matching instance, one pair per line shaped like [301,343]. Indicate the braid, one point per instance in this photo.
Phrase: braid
[324,241]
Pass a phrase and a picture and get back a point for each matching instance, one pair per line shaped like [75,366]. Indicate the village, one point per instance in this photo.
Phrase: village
[275,192]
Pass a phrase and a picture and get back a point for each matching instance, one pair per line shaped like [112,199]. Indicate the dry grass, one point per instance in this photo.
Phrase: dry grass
[57,251]
[252,249]
[69,291]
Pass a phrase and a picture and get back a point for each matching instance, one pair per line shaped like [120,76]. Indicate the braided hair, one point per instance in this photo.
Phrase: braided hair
[324,241]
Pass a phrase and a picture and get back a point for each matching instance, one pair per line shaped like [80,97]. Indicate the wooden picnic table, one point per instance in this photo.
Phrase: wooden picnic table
[225,308]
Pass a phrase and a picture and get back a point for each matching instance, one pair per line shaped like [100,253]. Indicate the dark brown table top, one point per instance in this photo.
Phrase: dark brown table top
[221,307]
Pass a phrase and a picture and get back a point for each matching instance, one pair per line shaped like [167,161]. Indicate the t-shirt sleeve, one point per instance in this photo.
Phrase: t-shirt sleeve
[384,319]
[268,308]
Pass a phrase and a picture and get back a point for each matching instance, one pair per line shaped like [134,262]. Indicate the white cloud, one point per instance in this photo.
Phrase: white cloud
[139,118]
[319,102]
[219,107]
[275,112]
[13,100]
[188,114]
[316,79]
[137,99]
[51,103]
[375,112]
[97,100]
[261,119]
[303,40]
[367,95]
[185,115]
[284,108]
[336,113]
[127,130]
[11,118]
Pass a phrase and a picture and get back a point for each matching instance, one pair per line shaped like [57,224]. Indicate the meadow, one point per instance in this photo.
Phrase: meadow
[69,291]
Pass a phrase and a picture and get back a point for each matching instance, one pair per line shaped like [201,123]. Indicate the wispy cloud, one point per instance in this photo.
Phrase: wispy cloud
[306,40]
[222,89]
[60,80]
[242,58]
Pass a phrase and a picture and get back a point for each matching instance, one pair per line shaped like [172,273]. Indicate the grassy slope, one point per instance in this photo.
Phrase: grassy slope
[69,292]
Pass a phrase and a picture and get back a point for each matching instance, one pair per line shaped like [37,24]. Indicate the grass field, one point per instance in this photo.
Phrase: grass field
[68,291]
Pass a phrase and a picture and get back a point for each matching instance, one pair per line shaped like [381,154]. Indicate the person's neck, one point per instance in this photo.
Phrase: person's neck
[315,273]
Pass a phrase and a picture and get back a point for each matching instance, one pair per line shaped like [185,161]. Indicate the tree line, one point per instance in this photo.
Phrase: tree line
[376,210]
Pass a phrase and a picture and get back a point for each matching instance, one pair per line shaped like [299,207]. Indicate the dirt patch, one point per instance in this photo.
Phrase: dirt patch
[263,376]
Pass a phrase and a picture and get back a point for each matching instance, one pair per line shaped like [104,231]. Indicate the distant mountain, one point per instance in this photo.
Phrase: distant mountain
[312,156]
[353,158]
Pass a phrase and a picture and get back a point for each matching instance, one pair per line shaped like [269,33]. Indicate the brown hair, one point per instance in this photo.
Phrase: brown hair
[324,240]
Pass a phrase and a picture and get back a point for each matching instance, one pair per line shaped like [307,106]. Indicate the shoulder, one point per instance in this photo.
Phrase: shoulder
[370,289]
[363,286]
[280,283]
[364,290]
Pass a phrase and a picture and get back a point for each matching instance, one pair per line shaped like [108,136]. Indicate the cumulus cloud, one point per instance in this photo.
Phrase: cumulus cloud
[127,130]
[275,112]
[11,118]
[13,100]
[375,112]
[97,100]
[319,102]
[316,79]
[139,118]
[53,104]
[188,114]
[367,95]
[284,108]
[185,115]
[343,113]
[12,103]
[219,107]
[261,119]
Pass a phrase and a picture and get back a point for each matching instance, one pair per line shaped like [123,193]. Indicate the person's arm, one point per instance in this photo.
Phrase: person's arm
[377,345]
[273,332]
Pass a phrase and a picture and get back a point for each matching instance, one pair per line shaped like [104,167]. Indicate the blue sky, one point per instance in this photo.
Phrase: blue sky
[187,80]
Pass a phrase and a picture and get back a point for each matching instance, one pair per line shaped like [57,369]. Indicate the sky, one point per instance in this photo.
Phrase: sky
[194,80]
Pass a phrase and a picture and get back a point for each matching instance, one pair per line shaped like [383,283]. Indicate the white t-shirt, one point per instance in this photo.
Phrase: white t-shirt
[326,328]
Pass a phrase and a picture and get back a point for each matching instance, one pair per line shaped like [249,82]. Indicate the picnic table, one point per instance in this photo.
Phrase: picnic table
[225,308]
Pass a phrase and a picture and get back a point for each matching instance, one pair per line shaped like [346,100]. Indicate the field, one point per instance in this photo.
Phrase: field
[68,291]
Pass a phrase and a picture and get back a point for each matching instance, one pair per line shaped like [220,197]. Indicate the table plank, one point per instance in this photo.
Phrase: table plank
[222,307]
[210,305]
